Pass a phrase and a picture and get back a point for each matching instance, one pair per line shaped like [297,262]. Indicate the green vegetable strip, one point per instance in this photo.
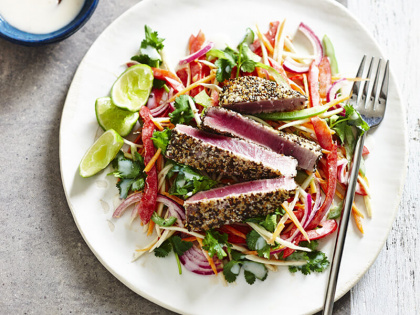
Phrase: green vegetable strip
[330,53]
[295,115]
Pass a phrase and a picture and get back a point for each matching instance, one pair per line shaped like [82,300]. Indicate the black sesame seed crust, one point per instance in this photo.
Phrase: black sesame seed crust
[188,150]
[213,213]
[250,89]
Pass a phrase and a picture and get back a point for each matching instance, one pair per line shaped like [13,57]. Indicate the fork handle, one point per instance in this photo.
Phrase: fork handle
[342,229]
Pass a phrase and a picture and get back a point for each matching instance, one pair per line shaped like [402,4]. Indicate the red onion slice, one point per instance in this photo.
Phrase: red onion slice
[159,110]
[195,261]
[174,209]
[293,66]
[334,88]
[316,43]
[133,198]
[197,54]
[342,175]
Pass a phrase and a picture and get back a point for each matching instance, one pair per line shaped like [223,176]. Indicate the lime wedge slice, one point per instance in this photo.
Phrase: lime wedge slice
[131,90]
[101,153]
[110,116]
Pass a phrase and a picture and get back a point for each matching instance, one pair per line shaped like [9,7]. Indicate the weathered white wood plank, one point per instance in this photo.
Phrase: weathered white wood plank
[392,285]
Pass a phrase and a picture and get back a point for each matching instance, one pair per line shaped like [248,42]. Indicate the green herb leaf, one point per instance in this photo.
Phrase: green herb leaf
[180,246]
[164,249]
[249,277]
[317,260]
[214,242]
[152,39]
[270,222]
[231,270]
[163,222]
[158,84]
[149,49]
[161,139]
[188,182]
[258,243]
[183,113]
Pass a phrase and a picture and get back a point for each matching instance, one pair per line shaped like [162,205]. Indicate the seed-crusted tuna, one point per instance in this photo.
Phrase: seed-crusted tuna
[228,156]
[254,95]
[235,203]
[226,122]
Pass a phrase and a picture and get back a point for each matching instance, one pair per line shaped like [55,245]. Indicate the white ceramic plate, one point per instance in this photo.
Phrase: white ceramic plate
[93,200]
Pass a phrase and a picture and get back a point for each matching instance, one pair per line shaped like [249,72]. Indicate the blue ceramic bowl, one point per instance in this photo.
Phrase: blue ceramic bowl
[14,35]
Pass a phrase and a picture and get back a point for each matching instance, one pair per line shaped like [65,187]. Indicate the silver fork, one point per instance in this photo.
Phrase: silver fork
[372,109]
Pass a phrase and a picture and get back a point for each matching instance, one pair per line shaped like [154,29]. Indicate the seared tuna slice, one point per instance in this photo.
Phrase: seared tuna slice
[228,156]
[254,95]
[216,207]
[230,123]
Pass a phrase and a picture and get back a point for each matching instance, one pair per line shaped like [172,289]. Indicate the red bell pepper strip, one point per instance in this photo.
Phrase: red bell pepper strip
[322,132]
[197,69]
[147,204]
[332,182]
[313,82]
[365,151]
[169,77]
[324,77]
[274,64]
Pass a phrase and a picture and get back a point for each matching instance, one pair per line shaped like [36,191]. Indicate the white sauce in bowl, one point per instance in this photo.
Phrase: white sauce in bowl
[39,16]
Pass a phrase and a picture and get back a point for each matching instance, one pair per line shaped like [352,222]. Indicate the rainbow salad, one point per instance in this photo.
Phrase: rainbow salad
[238,158]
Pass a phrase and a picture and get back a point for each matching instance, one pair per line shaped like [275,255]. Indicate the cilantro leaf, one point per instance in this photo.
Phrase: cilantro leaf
[179,246]
[316,260]
[214,242]
[270,222]
[158,84]
[149,49]
[161,139]
[152,39]
[161,221]
[249,277]
[164,249]
[183,113]
[188,181]
[231,270]
[258,243]
[130,173]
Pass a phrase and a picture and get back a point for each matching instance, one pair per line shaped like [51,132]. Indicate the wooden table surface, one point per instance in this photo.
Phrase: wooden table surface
[46,267]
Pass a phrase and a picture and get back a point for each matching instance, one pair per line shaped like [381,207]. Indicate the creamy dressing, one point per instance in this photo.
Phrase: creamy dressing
[39,16]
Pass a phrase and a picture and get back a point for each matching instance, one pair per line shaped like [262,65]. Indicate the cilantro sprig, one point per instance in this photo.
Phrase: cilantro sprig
[316,260]
[214,242]
[130,173]
[176,244]
[188,181]
[161,139]
[183,113]
[149,49]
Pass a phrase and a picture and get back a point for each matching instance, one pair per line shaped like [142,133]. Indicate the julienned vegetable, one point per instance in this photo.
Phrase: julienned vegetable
[159,187]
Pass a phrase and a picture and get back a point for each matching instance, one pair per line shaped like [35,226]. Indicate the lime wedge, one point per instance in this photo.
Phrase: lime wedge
[110,116]
[131,90]
[101,153]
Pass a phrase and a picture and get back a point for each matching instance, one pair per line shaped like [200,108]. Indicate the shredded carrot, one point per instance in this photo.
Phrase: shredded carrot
[152,161]
[251,252]
[295,221]
[235,232]
[157,124]
[174,198]
[358,220]
[296,87]
[192,86]
[159,163]
[209,259]
[189,239]
[147,248]
[150,229]
[357,211]
[264,39]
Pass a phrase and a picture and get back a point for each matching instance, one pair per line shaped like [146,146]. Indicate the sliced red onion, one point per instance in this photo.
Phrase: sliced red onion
[197,54]
[293,66]
[334,88]
[174,209]
[316,43]
[342,174]
[317,204]
[195,261]
[308,204]
[133,198]
[151,102]
[177,86]
[159,110]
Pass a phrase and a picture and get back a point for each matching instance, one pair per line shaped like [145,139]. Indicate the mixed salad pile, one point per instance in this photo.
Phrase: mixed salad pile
[156,187]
